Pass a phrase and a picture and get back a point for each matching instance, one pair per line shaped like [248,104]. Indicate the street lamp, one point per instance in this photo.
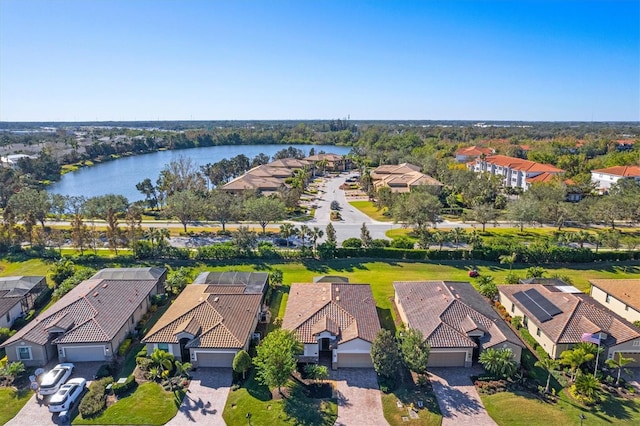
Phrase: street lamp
[582,417]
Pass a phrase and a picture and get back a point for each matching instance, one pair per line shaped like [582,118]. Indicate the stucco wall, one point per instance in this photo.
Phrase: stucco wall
[617,306]
[630,346]
[355,346]
[38,354]
[14,313]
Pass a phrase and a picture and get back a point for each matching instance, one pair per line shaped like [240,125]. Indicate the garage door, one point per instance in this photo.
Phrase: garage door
[87,353]
[446,359]
[634,355]
[207,359]
[354,361]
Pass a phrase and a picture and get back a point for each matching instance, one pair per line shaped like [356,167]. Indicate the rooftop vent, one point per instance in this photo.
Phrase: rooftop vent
[215,299]
[337,298]
[105,285]
[95,294]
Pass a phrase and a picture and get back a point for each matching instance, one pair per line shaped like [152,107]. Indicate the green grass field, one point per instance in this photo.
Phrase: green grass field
[369,208]
[11,402]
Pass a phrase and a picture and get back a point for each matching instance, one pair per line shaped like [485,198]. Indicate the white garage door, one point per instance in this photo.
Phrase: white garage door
[86,353]
[634,355]
[446,359]
[354,360]
[208,359]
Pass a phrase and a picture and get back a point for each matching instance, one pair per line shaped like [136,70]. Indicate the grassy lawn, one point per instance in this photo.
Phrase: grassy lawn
[27,267]
[369,208]
[429,415]
[297,409]
[508,408]
[11,402]
[149,404]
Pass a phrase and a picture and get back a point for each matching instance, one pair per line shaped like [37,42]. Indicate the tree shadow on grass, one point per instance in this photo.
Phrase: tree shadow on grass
[617,408]
[256,389]
[304,410]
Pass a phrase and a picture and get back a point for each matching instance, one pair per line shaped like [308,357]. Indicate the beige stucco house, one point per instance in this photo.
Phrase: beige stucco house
[621,296]
[212,319]
[456,321]
[90,322]
[18,295]
[557,318]
[336,322]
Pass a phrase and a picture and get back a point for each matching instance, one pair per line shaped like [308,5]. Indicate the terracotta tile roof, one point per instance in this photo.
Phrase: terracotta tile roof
[268,171]
[625,171]
[445,312]
[247,181]
[216,320]
[521,165]
[400,169]
[96,309]
[627,291]
[346,310]
[329,157]
[474,151]
[569,325]
[543,177]
[291,163]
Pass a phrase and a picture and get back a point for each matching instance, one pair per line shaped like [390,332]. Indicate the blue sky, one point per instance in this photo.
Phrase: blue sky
[64,60]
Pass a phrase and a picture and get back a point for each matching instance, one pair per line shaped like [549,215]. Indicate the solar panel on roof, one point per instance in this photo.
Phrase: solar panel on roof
[543,302]
[532,307]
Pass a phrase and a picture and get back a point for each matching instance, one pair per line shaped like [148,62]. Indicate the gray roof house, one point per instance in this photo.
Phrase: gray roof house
[18,296]
[90,322]
[457,322]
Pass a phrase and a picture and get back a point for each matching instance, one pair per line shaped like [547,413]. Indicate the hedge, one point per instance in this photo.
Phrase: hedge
[94,401]
[120,388]
[124,347]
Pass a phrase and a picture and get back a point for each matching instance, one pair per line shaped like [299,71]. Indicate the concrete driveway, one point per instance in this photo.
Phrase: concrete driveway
[458,398]
[205,399]
[36,410]
[359,400]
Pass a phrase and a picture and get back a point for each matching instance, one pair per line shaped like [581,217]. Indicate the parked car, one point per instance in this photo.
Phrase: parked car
[51,381]
[69,393]
[474,273]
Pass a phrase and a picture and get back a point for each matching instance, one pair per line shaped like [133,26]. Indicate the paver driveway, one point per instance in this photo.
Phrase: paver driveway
[359,400]
[205,399]
[458,398]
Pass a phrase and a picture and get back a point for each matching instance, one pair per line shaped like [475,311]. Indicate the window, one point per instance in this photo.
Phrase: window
[626,307]
[163,347]
[608,299]
[525,321]
[8,316]
[513,308]
[636,343]
[24,353]
[538,333]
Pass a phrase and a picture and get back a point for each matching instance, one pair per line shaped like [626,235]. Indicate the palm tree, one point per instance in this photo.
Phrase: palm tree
[619,364]
[287,230]
[439,238]
[550,365]
[304,232]
[583,237]
[574,359]
[508,259]
[498,362]
[183,368]
[163,361]
[457,235]
[315,234]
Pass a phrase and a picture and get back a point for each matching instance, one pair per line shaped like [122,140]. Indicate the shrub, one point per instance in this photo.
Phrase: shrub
[528,338]
[142,352]
[352,243]
[516,322]
[94,401]
[512,278]
[143,363]
[335,205]
[402,243]
[103,371]
[120,388]
[5,333]
[124,347]
[159,299]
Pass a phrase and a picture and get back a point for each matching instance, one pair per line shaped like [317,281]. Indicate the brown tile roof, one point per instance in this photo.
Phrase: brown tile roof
[96,309]
[627,291]
[329,157]
[474,151]
[216,320]
[569,325]
[445,312]
[268,171]
[248,181]
[625,171]
[346,310]
[291,163]
[399,169]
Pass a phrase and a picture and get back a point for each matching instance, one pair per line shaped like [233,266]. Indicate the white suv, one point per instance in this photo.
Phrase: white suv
[67,395]
[53,379]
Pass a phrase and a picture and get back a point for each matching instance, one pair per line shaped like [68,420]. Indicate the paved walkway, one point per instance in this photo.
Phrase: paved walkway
[458,398]
[359,400]
[205,399]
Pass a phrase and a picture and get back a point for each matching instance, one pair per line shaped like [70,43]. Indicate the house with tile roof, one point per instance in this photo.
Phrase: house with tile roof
[90,322]
[334,162]
[557,319]
[620,296]
[469,153]
[604,179]
[336,322]
[18,296]
[248,282]
[207,324]
[457,322]
[515,172]
[402,178]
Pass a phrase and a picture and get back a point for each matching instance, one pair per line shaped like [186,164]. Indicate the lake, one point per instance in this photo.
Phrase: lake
[120,176]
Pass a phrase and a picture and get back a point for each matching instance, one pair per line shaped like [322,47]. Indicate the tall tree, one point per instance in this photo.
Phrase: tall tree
[287,230]
[415,350]
[550,365]
[222,207]
[108,208]
[187,206]
[417,208]
[331,234]
[618,362]
[31,205]
[264,210]
[276,358]
[385,355]
[241,362]
[149,191]
[181,174]
[365,236]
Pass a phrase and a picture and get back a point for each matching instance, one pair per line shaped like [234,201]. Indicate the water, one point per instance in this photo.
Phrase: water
[121,176]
